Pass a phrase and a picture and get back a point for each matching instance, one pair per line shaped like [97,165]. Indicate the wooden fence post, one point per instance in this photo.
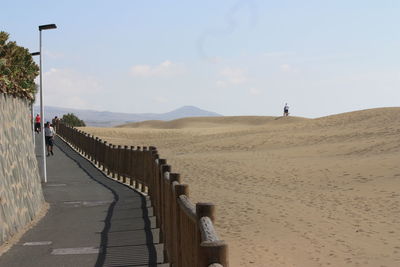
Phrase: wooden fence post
[131,166]
[104,152]
[160,186]
[119,162]
[97,151]
[144,166]
[114,161]
[90,147]
[152,182]
[180,189]
[137,168]
[205,210]
[164,200]
[210,252]
[94,149]
[109,159]
[213,252]
[125,164]
[174,179]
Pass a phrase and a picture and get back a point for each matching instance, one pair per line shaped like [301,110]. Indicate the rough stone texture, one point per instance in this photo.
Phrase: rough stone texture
[21,195]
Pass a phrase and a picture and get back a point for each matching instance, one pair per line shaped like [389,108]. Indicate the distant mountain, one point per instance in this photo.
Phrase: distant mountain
[186,111]
[109,119]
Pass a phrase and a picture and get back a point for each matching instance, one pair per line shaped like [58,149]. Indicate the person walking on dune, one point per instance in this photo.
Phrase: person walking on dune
[286,110]
[49,134]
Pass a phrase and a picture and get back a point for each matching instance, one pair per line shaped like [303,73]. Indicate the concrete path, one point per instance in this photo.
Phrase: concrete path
[92,220]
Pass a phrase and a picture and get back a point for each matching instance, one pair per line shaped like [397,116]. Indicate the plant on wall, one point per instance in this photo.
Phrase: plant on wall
[17,69]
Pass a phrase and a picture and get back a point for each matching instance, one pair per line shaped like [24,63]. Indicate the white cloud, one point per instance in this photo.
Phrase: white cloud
[287,68]
[215,60]
[164,69]
[278,54]
[221,84]
[68,88]
[161,99]
[141,70]
[53,55]
[232,76]
[255,91]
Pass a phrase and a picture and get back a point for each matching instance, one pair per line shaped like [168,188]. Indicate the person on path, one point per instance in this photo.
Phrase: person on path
[55,122]
[286,110]
[49,138]
[37,123]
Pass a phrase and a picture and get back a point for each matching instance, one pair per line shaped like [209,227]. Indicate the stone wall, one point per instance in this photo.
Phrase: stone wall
[21,196]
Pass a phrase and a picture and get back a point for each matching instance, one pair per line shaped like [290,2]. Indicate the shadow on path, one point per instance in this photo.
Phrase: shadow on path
[129,236]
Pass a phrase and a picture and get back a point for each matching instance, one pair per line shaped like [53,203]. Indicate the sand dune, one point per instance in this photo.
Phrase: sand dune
[209,122]
[290,191]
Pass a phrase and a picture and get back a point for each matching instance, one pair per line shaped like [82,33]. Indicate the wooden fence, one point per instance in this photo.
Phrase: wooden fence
[187,230]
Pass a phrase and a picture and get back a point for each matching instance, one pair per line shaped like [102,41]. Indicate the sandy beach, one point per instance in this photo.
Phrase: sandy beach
[289,191]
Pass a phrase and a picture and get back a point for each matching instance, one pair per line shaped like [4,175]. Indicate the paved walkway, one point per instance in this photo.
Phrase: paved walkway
[92,220]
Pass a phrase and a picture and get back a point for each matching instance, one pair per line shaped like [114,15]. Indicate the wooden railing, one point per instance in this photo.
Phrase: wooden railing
[187,230]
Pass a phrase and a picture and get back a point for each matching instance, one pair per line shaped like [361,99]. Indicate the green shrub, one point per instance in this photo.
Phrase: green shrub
[17,69]
[71,120]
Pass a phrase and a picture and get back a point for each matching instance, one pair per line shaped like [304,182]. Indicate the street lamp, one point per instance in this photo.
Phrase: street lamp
[32,109]
[41,28]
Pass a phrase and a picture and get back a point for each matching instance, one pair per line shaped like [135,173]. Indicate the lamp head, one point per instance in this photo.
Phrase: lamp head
[47,27]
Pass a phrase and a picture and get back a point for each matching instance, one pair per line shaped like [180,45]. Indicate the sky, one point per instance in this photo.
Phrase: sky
[246,57]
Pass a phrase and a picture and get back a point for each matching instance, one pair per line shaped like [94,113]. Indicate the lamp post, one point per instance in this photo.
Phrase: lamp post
[41,28]
[32,109]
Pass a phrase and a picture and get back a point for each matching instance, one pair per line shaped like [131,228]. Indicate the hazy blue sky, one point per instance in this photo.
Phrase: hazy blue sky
[231,57]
